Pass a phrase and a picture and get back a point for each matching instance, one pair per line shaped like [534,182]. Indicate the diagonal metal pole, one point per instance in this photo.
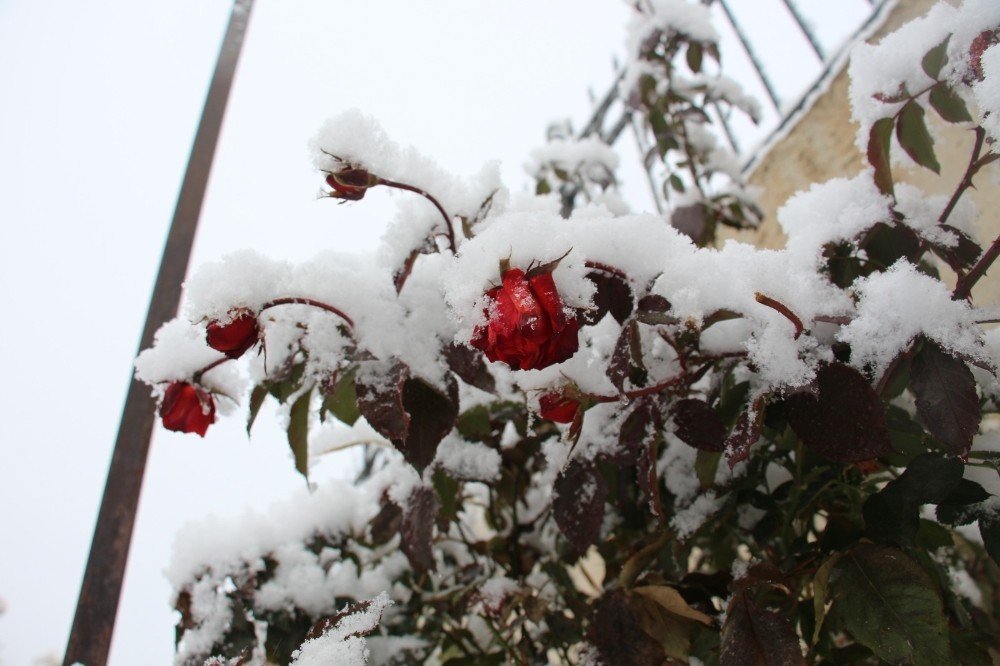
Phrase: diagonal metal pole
[97,606]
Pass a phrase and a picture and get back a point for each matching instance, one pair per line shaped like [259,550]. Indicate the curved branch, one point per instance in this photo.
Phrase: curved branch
[444,214]
[309,301]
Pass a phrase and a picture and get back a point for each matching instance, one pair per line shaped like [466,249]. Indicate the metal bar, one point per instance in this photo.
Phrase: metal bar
[93,624]
[757,64]
[724,119]
[640,144]
[806,30]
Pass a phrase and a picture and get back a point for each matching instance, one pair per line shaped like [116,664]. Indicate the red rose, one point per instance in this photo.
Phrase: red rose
[186,408]
[527,327]
[558,407]
[236,336]
[349,184]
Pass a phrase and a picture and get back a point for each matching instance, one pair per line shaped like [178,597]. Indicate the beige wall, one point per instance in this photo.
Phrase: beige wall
[821,146]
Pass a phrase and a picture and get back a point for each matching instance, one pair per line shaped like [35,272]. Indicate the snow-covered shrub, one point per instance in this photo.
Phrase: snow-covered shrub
[595,439]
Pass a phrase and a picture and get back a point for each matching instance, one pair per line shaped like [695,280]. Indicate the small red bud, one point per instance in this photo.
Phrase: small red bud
[186,408]
[558,407]
[349,184]
[236,336]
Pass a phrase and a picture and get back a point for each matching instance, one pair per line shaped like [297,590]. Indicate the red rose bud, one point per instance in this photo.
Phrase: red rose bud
[349,184]
[527,327]
[558,407]
[236,336]
[186,408]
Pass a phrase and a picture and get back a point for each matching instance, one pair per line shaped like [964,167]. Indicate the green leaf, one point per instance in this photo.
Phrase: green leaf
[989,530]
[694,56]
[256,400]
[889,603]
[935,59]
[821,586]
[342,401]
[948,104]
[298,432]
[911,130]
[879,140]
[447,493]
[677,183]
[705,465]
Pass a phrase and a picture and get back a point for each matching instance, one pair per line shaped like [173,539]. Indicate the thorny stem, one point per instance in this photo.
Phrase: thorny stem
[444,214]
[964,286]
[214,364]
[649,390]
[309,301]
[783,309]
[970,171]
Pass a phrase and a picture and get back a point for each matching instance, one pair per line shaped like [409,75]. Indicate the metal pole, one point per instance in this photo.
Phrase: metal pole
[757,64]
[97,606]
[806,30]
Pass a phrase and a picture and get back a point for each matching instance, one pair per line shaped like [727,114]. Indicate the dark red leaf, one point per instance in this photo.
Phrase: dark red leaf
[578,503]
[618,366]
[432,415]
[418,528]
[745,433]
[379,385]
[470,367]
[962,256]
[879,141]
[945,393]
[693,221]
[618,637]
[634,434]
[755,636]
[613,295]
[845,422]
[699,425]
[386,523]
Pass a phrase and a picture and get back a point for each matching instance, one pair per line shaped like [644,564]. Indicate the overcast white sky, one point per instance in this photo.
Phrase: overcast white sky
[98,106]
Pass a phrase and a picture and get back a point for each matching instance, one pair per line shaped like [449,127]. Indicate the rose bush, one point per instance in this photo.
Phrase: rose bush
[736,456]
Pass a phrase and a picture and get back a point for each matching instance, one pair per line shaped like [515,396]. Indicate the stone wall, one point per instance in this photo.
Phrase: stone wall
[821,146]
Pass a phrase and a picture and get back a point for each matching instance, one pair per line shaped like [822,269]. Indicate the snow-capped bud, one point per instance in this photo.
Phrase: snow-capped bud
[235,336]
[349,183]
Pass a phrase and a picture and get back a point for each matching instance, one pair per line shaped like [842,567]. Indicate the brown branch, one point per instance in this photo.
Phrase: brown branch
[309,301]
[444,214]
[970,171]
[965,283]
[196,377]
[783,309]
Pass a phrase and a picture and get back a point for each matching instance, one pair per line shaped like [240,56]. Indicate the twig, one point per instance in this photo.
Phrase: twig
[783,309]
[965,283]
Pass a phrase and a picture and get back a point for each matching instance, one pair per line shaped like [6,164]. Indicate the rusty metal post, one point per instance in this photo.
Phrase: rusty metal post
[97,606]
